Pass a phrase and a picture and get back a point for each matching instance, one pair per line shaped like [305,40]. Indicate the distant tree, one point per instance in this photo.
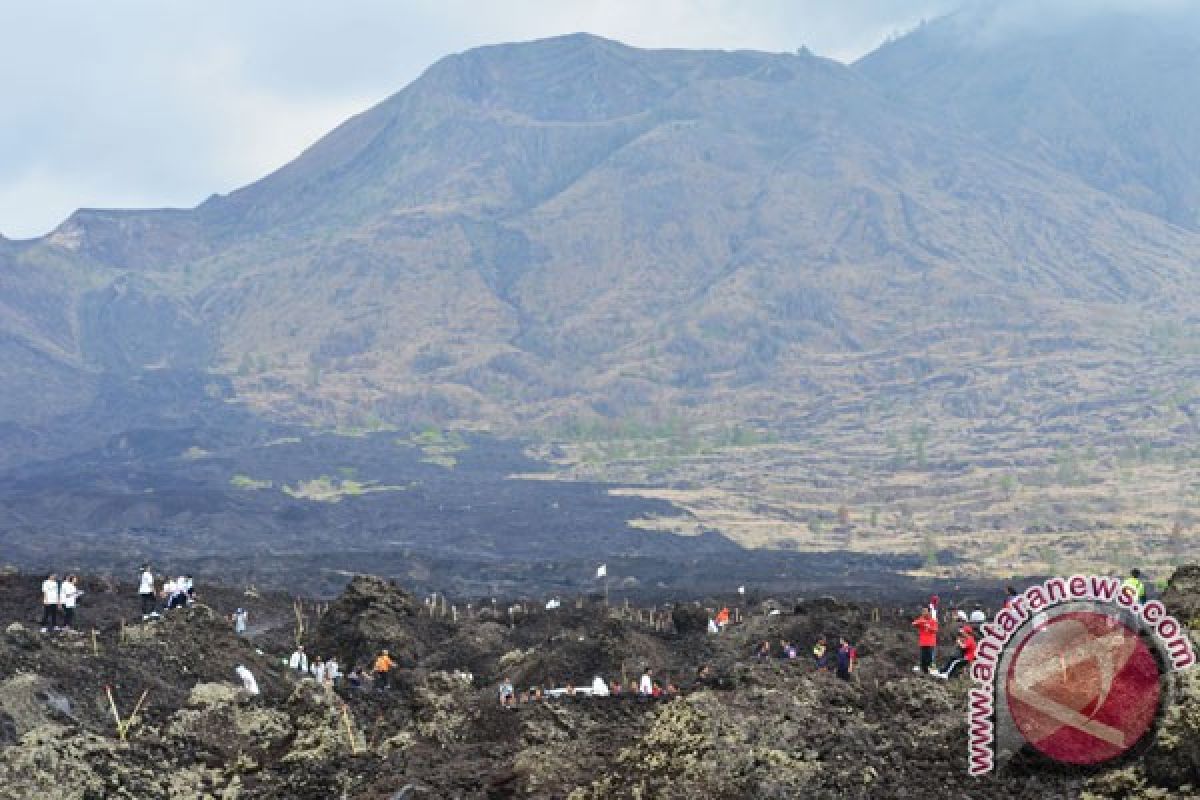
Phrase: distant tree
[919,435]
[929,552]
[1067,471]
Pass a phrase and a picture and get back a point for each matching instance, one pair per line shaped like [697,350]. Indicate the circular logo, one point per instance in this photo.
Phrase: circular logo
[1083,688]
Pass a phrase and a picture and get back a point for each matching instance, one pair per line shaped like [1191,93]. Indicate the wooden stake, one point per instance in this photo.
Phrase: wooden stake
[95,646]
[136,709]
[375,733]
[349,729]
[116,715]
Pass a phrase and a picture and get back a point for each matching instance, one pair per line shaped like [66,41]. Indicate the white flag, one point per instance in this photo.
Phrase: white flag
[741,590]
[602,570]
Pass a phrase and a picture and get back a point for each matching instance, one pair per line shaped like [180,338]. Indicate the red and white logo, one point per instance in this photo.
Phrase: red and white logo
[1083,688]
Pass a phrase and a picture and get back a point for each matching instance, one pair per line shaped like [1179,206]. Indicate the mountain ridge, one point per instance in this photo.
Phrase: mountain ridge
[529,233]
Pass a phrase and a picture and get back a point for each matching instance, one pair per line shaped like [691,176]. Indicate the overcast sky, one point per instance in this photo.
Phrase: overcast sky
[145,103]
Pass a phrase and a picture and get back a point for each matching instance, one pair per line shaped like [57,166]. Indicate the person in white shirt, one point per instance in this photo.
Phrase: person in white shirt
[318,669]
[177,596]
[181,591]
[299,660]
[239,621]
[646,686]
[189,589]
[168,593]
[248,682]
[332,672]
[50,603]
[146,592]
[69,594]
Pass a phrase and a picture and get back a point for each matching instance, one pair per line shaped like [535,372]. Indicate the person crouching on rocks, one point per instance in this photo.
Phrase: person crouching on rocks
[383,669]
[299,660]
[177,594]
[927,631]
[966,652]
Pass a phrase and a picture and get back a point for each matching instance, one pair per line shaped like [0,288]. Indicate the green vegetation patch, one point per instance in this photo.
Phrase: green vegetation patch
[437,446]
[240,481]
[331,490]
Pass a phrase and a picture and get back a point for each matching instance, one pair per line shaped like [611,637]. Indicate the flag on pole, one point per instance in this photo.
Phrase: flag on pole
[741,590]
[602,571]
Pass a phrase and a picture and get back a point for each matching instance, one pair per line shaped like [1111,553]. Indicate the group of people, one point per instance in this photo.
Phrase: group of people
[927,625]
[648,687]
[328,672]
[59,596]
[844,658]
[324,671]
[174,593]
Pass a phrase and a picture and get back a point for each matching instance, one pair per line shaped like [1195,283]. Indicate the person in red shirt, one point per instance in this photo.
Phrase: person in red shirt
[927,630]
[966,652]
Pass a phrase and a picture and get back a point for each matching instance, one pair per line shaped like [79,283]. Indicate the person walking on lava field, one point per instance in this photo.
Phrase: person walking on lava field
[146,593]
[383,668]
[847,657]
[820,656]
[50,603]
[927,631]
[966,652]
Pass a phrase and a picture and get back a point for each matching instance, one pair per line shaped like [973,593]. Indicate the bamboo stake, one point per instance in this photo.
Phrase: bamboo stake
[136,709]
[95,646]
[349,729]
[375,733]
[116,715]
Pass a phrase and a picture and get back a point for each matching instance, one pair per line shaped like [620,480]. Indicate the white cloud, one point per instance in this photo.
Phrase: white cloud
[144,103]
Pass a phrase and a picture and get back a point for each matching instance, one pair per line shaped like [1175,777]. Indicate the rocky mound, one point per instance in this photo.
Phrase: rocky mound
[741,728]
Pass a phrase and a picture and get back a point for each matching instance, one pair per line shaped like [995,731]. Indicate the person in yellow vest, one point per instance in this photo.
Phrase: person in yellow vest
[1134,581]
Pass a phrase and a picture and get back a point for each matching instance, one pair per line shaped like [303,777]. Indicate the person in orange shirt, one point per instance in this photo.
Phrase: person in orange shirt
[383,669]
[927,630]
[722,618]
